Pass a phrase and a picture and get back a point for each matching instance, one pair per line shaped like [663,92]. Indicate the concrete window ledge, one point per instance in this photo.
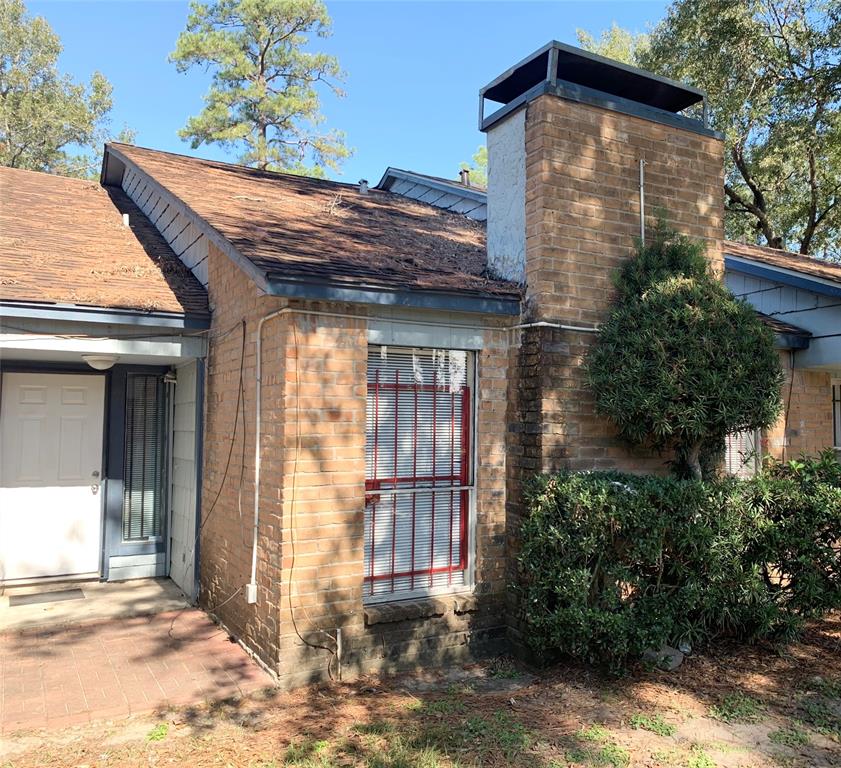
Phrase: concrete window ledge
[427,608]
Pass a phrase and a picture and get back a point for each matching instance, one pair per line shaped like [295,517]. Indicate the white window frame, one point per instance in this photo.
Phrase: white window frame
[468,586]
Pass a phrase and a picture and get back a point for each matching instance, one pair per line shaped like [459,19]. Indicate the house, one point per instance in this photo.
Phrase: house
[378,370]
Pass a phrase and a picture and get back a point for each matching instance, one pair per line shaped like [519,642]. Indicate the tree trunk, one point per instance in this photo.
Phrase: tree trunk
[693,461]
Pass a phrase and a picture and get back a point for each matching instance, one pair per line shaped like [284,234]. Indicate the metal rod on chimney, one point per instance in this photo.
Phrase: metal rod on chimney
[642,200]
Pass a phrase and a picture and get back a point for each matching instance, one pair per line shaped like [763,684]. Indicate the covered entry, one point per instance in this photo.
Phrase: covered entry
[98,471]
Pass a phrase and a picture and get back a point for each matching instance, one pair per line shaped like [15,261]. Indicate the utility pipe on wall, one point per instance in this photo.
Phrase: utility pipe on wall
[251,587]
[642,200]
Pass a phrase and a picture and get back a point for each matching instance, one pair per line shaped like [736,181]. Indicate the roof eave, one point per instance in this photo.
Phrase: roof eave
[790,341]
[787,276]
[487,304]
[107,315]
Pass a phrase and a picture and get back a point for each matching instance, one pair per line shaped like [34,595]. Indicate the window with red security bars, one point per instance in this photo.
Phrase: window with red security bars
[417,470]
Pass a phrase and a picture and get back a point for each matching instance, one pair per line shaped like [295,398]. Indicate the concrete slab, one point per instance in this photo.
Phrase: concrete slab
[103,600]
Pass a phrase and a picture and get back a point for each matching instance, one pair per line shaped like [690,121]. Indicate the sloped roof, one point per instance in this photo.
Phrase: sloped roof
[778,326]
[456,185]
[299,227]
[63,241]
[796,262]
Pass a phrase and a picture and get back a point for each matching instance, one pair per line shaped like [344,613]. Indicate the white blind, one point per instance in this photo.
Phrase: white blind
[417,439]
[143,469]
[742,454]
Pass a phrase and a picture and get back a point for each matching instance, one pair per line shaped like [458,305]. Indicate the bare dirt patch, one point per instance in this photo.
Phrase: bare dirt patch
[734,708]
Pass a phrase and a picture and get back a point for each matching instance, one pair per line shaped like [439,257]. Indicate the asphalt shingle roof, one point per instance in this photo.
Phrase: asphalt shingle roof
[300,227]
[796,262]
[63,241]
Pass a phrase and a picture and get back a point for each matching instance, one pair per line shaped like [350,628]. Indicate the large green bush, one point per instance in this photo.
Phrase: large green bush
[614,564]
[680,363]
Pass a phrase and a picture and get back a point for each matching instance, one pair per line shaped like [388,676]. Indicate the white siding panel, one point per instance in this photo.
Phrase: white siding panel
[183,516]
[465,206]
[479,214]
[402,187]
[176,227]
[432,196]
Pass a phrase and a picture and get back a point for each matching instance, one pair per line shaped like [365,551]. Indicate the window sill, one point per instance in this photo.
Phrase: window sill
[425,608]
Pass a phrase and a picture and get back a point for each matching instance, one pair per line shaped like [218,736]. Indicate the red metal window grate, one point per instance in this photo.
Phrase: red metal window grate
[417,469]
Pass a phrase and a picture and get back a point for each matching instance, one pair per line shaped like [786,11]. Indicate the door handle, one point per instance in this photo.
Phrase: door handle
[95,483]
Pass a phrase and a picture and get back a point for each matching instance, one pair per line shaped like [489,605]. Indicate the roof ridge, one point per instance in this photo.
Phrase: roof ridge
[256,171]
[93,182]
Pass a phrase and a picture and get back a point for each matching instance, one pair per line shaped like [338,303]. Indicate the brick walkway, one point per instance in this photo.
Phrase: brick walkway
[63,676]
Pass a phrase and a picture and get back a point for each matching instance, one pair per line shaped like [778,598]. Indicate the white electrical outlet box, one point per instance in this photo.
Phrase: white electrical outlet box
[250,593]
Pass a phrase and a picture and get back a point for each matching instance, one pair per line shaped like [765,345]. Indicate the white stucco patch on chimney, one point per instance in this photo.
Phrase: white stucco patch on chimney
[507,197]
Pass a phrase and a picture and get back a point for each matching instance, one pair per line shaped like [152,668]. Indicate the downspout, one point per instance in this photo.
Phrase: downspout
[642,200]
[251,587]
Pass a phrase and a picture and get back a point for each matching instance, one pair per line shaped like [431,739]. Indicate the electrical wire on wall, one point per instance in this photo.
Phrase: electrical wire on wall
[292,516]
[240,407]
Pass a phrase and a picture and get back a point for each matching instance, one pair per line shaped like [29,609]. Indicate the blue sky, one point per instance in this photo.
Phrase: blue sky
[414,69]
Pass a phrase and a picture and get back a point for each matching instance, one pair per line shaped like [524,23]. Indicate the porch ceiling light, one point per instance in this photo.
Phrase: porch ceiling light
[100,362]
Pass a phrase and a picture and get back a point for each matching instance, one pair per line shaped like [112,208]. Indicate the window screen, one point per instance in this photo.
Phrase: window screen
[143,471]
[836,414]
[417,439]
[742,454]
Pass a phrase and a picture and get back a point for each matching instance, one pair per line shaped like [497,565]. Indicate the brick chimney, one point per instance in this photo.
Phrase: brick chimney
[566,147]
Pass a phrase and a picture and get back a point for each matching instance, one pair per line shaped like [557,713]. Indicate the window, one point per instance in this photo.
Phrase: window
[143,470]
[742,455]
[418,438]
[836,414]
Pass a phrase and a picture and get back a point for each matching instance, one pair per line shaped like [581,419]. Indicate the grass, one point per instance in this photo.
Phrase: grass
[435,737]
[818,714]
[654,723]
[789,737]
[596,748]
[737,708]
[698,758]
[565,720]
[158,733]
[820,707]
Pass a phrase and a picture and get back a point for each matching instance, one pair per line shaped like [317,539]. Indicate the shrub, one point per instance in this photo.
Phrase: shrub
[680,363]
[614,564]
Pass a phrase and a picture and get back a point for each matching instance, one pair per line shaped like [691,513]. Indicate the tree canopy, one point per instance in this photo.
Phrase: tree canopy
[772,75]
[264,96]
[680,363]
[615,43]
[48,122]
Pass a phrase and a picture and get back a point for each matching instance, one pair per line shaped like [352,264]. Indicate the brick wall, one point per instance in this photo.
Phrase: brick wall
[227,497]
[325,427]
[582,221]
[310,554]
[809,413]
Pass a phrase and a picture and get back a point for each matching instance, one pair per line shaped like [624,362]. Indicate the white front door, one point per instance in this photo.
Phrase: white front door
[50,474]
